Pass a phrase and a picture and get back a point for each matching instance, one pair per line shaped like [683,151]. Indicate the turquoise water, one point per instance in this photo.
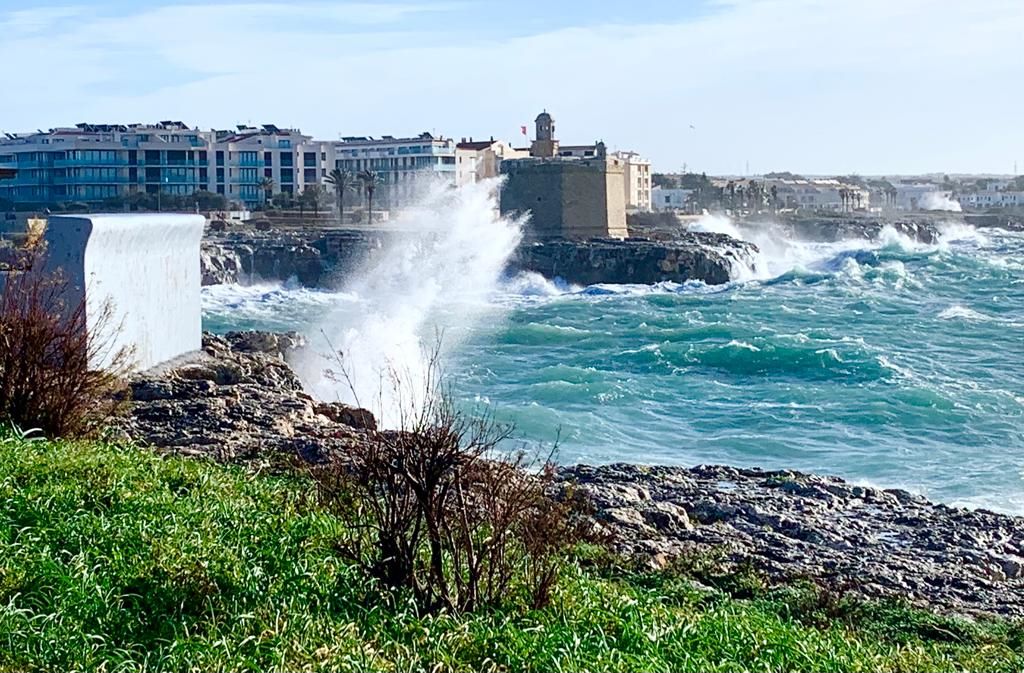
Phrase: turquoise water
[893,364]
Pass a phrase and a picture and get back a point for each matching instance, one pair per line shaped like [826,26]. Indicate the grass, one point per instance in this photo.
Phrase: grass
[114,559]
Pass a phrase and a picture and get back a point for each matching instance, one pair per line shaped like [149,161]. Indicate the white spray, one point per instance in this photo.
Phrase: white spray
[442,262]
[940,201]
[778,253]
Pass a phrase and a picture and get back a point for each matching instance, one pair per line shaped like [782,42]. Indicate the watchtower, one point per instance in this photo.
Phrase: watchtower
[545,146]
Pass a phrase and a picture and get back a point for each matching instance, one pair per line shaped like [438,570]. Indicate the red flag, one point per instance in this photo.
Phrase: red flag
[524,129]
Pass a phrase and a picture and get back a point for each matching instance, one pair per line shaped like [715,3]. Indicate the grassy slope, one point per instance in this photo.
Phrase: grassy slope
[113,558]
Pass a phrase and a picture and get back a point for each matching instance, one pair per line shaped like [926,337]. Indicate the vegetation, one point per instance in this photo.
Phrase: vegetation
[113,558]
[369,179]
[314,197]
[143,201]
[266,186]
[343,182]
[48,353]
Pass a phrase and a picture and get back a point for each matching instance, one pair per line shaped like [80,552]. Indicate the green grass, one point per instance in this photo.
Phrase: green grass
[114,559]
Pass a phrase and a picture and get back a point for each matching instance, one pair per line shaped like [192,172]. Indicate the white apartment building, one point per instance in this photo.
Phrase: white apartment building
[818,194]
[243,158]
[403,165]
[986,199]
[479,160]
[638,181]
[666,199]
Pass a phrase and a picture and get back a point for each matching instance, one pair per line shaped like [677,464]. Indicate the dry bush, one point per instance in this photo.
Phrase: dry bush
[442,509]
[46,381]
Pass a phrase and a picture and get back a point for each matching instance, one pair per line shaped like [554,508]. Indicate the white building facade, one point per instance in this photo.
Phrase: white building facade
[665,199]
[403,165]
[480,160]
[638,181]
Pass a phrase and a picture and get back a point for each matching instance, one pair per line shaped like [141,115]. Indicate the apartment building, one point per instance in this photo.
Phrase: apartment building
[92,162]
[638,181]
[245,157]
[477,160]
[404,166]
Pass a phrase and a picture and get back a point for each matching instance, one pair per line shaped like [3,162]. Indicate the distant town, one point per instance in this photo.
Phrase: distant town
[172,166]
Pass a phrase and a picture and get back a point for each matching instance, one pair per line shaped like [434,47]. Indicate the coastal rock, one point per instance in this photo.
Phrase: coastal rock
[316,257]
[239,401]
[788,525]
[705,257]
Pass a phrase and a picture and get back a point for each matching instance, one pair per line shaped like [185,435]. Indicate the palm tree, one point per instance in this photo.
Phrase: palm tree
[369,179]
[315,196]
[267,187]
[342,181]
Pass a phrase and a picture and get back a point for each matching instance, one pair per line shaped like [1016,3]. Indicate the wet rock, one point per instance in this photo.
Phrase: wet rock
[883,543]
[239,401]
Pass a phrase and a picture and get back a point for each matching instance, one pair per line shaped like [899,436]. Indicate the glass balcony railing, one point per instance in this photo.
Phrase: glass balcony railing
[81,180]
[61,163]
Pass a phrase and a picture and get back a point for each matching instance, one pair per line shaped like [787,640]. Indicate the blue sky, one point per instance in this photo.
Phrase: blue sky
[816,86]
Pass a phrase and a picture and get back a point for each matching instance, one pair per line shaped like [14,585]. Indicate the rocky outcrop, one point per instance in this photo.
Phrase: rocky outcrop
[788,525]
[222,265]
[690,256]
[828,229]
[315,258]
[239,401]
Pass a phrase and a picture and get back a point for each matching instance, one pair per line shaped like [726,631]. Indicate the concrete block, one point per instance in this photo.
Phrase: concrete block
[146,266]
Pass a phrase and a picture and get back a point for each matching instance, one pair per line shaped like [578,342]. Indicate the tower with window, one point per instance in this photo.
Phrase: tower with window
[544,145]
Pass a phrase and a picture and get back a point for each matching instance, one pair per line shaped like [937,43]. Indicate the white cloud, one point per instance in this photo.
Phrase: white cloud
[843,85]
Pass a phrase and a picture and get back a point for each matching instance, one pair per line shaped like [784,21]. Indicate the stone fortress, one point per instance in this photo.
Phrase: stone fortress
[570,192]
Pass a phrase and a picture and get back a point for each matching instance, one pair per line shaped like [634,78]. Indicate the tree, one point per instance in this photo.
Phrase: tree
[267,187]
[313,196]
[342,181]
[369,179]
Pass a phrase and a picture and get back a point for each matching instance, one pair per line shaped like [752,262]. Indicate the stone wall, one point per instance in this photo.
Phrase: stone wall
[574,199]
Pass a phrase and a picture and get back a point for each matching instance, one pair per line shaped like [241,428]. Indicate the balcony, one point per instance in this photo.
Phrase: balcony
[63,163]
[80,180]
[250,163]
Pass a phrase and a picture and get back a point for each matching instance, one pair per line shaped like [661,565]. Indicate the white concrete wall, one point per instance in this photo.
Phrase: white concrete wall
[147,266]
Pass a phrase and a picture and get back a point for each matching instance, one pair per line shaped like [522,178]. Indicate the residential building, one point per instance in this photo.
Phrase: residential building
[637,178]
[817,194]
[990,199]
[93,162]
[403,165]
[479,160]
[667,199]
[243,158]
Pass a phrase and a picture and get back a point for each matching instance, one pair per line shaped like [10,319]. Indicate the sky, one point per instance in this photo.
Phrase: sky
[875,87]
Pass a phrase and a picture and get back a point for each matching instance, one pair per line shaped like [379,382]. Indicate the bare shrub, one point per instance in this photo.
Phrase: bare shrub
[46,378]
[441,508]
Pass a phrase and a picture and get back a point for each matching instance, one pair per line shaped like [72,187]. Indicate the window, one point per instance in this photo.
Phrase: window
[287,176]
[286,159]
[268,158]
[220,160]
[309,159]
[309,175]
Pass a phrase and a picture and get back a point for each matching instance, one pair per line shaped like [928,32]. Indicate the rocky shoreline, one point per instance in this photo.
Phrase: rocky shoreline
[660,249]
[238,401]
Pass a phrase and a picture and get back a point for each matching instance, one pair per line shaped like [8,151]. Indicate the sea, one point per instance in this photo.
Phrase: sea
[889,362]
